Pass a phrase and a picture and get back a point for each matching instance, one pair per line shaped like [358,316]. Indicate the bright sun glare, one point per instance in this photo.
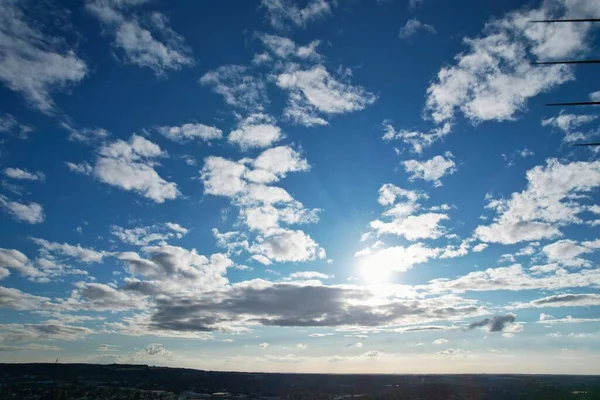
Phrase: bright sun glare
[374,270]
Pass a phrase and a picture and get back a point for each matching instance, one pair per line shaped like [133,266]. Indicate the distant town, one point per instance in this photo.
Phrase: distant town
[90,382]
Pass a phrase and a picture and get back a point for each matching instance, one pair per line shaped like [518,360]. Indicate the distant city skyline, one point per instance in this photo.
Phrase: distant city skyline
[334,186]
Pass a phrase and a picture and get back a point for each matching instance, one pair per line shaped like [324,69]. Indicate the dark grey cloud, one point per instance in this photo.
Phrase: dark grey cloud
[568,299]
[293,305]
[11,333]
[494,324]
[17,300]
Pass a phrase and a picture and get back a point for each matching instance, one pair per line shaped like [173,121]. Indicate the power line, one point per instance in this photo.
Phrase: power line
[577,103]
[585,144]
[569,20]
[566,62]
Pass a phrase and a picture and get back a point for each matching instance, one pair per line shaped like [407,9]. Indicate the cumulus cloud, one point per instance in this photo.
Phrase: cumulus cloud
[315,92]
[191,132]
[108,347]
[513,278]
[566,252]
[283,14]
[23,174]
[563,300]
[309,275]
[401,217]
[256,131]
[413,26]
[453,353]
[440,341]
[145,40]
[15,299]
[264,208]
[494,78]
[549,320]
[285,48]
[238,88]
[294,304]
[551,200]
[171,265]
[130,166]
[288,246]
[154,350]
[569,124]
[494,324]
[417,140]
[82,254]
[33,63]
[15,333]
[40,270]
[32,213]
[9,125]
[85,135]
[431,170]
[144,235]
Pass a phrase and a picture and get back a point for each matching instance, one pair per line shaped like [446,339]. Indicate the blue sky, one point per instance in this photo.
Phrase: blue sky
[305,186]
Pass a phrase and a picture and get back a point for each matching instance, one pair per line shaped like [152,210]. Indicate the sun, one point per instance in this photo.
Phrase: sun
[374,270]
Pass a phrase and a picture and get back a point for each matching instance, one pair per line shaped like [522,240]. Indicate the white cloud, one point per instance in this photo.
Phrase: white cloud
[191,132]
[18,173]
[309,275]
[301,346]
[388,193]
[11,126]
[32,63]
[144,235]
[551,200]
[566,252]
[32,213]
[480,247]
[109,347]
[563,300]
[285,48]
[318,335]
[314,91]
[413,26]
[262,259]
[83,254]
[15,299]
[401,217]
[130,166]
[285,245]
[513,278]
[237,87]
[265,208]
[440,341]
[595,96]
[155,349]
[15,333]
[431,170]
[494,78]
[550,320]
[568,123]
[85,135]
[417,140]
[256,131]
[263,345]
[412,227]
[282,13]
[144,40]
